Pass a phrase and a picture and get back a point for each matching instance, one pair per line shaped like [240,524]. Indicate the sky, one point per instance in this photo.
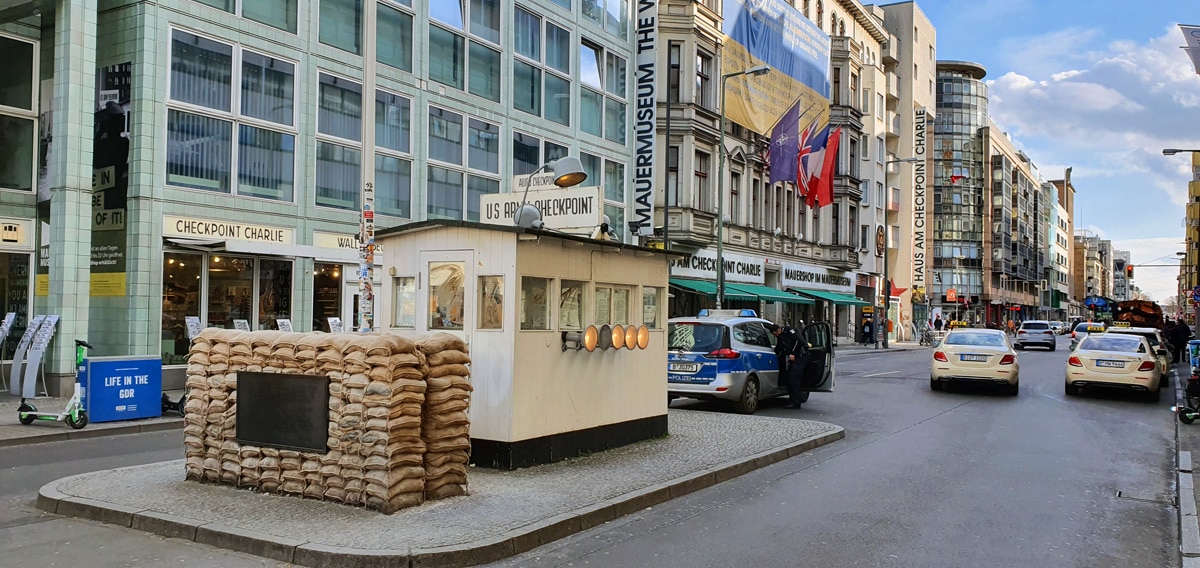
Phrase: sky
[1100,86]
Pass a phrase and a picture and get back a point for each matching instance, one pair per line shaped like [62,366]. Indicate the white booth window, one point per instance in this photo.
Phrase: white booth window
[404,304]
[650,303]
[612,305]
[570,305]
[535,307]
[447,288]
[491,302]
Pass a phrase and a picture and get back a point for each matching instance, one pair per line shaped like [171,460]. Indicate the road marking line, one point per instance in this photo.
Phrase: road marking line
[881,374]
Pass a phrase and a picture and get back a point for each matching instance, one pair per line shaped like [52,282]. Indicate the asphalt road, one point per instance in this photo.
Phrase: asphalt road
[31,538]
[965,477]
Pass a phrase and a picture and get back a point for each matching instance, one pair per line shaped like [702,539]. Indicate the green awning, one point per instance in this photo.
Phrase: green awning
[710,289]
[766,293]
[835,297]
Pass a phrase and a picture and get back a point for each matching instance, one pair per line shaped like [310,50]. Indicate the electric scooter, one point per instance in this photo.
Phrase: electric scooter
[74,414]
[1190,411]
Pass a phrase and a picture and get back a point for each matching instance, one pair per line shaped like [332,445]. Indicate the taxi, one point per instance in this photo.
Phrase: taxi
[975,356]
[1113,360]
[728,355]
[1082,329]
[1157,344]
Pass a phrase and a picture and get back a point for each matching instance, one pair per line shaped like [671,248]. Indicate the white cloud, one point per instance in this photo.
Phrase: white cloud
[1108,112]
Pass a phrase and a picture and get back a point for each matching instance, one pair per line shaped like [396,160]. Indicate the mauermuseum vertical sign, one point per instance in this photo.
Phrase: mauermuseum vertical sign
[642,222]
[918,220]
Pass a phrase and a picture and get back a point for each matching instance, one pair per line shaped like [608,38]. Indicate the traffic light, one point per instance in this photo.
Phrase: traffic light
[1129,271]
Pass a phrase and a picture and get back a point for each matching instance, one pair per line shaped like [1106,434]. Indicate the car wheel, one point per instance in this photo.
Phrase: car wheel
[935,384]
[1053,347]
[748,402]
[1154,395]
[1072,390]
[804,396]
[1014,390]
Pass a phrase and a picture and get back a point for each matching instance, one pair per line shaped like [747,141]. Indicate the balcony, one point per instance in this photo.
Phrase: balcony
[891,52]
[893,124]
[893,87]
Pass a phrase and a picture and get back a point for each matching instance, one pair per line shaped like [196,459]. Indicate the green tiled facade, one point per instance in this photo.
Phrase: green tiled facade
[141,33]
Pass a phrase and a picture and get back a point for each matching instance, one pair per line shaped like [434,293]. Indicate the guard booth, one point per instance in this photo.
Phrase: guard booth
[567,334]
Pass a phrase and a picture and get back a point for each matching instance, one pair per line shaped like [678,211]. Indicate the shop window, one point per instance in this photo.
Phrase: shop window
[447,288]
[650,306]
[181,299]
[491,302]
[535,305]
[14,298]
[327,294]
[230,290]
[274,292]
[612,305]
[570,305]
[404,302]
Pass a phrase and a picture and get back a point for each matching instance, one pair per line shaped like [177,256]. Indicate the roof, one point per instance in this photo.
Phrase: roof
[540,233]
[1123,329]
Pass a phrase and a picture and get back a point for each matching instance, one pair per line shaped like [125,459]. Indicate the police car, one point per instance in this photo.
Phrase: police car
[729,355]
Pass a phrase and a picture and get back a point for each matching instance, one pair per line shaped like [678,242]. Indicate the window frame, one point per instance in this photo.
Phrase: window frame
[234,115]
[604,93]
[468,39]
[31,114]
[464,167]
[400,155]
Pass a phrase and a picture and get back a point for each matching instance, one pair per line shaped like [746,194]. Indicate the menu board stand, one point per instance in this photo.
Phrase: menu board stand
[285,325]
[41,341]
[14,384]
[335,325]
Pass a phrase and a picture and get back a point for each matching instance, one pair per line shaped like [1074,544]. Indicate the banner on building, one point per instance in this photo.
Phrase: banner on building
[774,33]
[110,179]
[645,118]
[920,223]
[812,277]
[702,264]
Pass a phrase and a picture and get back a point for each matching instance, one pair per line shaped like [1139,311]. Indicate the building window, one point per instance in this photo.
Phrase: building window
[404,302]
[491,303]
[602,98]
[612,305]
[475,164]
[673,175]
[571,305]
[704,70]
[541,77]
[735,184]
[535,303]
[612,179]
[651,300]
[215,138]
[673,73]
[341,23]
[393,160]
[702,198]
[851,223]
[466,64]
[447,294]
[755,204]
[275,13]
[18,116]
[394,37]
[610,15]
[339,137]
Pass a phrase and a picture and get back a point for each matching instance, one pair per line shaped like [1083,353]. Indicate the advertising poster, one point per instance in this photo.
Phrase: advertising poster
[110,179]
[774,33]
[122,388]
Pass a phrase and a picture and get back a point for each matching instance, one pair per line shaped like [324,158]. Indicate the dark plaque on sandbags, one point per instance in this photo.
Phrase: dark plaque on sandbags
[289,412]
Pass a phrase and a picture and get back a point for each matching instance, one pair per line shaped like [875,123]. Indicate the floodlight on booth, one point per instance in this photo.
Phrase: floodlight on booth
[605,337]
[643,337]
[586,339]
[631,336]
[618,336]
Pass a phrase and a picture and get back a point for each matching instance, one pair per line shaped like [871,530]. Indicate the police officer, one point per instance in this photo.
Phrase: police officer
[793,355]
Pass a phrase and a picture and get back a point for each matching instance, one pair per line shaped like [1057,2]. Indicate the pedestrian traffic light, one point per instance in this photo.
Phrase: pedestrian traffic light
[1129,271]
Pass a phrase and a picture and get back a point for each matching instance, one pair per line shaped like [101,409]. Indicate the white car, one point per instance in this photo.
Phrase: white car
[975,356]
[1035,332]
[1115,361]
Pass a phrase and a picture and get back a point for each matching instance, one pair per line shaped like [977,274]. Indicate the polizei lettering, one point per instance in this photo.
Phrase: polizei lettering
[646,37]
[918,222]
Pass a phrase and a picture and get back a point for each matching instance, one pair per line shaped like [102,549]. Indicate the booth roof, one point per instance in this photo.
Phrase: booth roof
[451,223]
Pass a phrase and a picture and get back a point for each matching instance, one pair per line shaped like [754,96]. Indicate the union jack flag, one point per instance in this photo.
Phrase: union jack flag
[811,157]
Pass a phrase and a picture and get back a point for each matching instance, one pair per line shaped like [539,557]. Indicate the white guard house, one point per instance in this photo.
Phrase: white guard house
[524,299]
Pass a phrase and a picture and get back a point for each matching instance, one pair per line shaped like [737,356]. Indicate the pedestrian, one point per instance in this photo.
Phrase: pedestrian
[937,323]
[866,332]
[1180,334]
[1012,327]
[792,352]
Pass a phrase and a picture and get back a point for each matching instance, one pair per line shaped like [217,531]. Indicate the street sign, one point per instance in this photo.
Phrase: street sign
[1196,294]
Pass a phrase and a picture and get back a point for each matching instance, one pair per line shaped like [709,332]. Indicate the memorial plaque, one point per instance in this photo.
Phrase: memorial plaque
[289,412]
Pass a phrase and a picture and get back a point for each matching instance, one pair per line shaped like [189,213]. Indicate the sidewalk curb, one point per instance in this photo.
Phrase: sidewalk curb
[852,352]
[84,434]
[490,549]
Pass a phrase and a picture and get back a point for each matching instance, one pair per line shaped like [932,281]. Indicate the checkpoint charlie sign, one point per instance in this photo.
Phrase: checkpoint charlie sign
[562,209]
[702,264]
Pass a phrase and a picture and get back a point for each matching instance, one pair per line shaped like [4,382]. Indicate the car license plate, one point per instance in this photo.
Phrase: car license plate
[1110,364]
[683,367]
[974,358]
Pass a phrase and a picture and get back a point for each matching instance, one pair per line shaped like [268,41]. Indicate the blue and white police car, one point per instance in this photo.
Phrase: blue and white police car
[730,355]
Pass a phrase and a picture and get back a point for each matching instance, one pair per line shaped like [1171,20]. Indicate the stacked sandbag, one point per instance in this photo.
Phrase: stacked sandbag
[375,454]
[445,426]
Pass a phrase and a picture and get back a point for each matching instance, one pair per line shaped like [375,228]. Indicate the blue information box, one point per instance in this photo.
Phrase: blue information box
[121,388]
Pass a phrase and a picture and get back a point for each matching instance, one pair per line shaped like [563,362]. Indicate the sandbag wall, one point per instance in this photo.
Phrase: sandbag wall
[380,421]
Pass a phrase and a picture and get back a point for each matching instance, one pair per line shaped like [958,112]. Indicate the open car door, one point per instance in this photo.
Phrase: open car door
[819,374]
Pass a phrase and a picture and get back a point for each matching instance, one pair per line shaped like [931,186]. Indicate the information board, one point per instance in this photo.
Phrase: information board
[289,412]
[335,325]
[241,325]
[284,325]
[122,388]
[33,361]
[14,383]
[193,326]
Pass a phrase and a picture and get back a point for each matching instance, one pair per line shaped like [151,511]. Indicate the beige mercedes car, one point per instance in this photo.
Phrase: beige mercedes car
[1110,360]
[970,355]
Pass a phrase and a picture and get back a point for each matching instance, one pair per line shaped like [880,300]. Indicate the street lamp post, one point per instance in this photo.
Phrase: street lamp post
[887,230]
[721,155]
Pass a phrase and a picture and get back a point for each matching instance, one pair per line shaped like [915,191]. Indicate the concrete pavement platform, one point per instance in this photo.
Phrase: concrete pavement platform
[507,512]
[13,433]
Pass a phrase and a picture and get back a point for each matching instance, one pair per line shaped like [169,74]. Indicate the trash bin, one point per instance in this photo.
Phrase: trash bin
[1193,349]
